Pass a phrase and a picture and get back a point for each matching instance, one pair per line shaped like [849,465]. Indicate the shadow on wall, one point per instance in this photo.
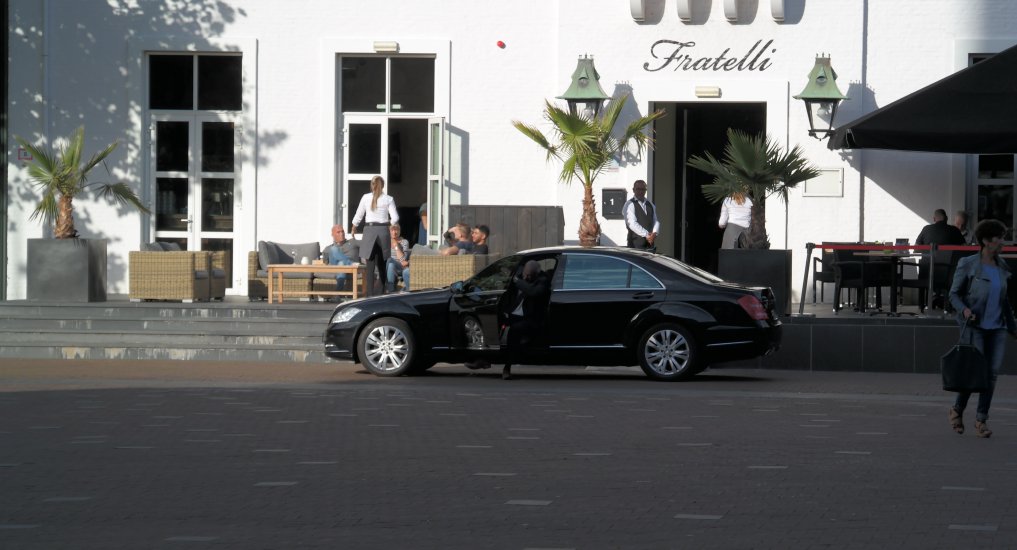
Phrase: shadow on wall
[630,112]
[105,113]
[898,173]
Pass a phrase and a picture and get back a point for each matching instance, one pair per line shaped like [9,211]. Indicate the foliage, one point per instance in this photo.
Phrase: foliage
[585,146]
[61,176]
[758,167]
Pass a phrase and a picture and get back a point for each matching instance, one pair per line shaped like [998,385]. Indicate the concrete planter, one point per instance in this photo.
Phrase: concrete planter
[67,270]
[750,267]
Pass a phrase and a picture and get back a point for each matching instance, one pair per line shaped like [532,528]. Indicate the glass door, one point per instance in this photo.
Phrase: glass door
[365,147]
[196,160]
[435,181]
[994,196]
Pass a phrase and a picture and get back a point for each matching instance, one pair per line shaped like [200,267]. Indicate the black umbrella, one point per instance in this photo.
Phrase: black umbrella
[971,111]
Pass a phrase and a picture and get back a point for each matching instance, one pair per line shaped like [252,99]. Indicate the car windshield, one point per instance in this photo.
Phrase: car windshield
[495,276]
[688,270]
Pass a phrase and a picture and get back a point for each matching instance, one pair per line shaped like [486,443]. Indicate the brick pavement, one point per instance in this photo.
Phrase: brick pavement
[235,456]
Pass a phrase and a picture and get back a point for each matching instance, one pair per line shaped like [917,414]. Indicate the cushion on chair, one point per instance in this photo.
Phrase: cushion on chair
[170,247]
[281,253]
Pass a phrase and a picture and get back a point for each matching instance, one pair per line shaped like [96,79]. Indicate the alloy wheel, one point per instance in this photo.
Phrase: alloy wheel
[667,352]
[386,348]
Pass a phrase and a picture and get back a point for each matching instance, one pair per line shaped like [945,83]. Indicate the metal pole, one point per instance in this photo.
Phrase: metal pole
[805,278]
[932,277]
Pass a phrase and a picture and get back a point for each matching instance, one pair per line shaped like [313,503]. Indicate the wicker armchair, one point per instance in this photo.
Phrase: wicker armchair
[434,271]
[218,275]
[170,275]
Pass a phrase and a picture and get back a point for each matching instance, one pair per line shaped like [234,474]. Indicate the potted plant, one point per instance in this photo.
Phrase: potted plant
[585,145]
[758,167]
[67,267]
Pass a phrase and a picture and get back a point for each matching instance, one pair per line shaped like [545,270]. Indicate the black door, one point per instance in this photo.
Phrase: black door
[474,309]
[703,128]
[595,298]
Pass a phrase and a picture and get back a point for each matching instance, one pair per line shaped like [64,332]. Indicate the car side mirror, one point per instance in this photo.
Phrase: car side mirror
[457,287]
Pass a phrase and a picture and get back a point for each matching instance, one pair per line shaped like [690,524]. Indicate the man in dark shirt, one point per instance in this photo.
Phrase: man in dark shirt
[524,314]
[479,236]
[939,232]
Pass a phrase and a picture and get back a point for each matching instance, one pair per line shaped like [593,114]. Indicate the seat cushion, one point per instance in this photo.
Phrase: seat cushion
[270,252]
[151,247]
[169,247]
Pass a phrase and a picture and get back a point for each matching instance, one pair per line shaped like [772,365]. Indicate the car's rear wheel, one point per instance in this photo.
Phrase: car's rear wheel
[668,352]
[387,347]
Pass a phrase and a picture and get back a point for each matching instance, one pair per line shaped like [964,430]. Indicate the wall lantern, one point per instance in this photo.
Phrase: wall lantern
[585,89]
[821,97]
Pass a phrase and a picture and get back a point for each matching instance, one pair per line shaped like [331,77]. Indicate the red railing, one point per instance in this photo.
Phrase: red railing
[923,248]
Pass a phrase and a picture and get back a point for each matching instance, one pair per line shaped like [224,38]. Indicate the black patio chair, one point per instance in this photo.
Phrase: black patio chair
[943,266]
[859,273]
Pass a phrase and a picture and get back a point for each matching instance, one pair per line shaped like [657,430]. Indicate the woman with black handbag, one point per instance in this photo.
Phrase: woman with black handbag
[978,293]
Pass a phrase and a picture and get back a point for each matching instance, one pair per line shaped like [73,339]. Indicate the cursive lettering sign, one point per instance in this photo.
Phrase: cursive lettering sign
[679,55]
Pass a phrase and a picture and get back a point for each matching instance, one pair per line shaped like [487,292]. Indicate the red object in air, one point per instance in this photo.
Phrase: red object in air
[501,44]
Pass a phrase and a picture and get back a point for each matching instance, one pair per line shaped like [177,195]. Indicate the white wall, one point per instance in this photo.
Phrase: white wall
[72,63]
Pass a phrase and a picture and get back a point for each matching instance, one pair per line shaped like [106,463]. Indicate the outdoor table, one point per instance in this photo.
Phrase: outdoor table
[355,270]
[895,257]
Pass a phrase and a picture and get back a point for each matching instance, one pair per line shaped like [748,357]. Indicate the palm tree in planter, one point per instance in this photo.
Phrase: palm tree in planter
[68,268]
[585,145]
[758,167]
[62,176]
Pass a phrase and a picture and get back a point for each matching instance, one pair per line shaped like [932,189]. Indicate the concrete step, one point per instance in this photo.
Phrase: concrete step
[233,330]
[223,325]
[161,338]
[275,354]
[129,310]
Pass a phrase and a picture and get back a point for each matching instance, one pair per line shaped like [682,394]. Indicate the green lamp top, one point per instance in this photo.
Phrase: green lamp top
[822,82]
[585,83]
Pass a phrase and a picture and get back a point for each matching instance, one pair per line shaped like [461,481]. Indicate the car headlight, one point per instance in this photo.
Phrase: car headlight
[344,315]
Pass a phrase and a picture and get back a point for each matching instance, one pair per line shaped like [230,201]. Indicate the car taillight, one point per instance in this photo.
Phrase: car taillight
[753,307]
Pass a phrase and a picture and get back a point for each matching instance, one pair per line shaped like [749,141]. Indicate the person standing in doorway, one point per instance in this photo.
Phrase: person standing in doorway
[978,292]
[377,210]
[735,217]
[641,219]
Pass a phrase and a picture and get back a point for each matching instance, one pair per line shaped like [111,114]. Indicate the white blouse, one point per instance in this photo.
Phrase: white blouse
[737,214]
[385,213]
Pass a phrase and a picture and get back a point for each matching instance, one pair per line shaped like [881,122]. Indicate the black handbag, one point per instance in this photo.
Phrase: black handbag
[964,368]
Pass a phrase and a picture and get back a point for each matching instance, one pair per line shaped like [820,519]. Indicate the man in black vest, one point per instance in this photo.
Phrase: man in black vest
[641,219]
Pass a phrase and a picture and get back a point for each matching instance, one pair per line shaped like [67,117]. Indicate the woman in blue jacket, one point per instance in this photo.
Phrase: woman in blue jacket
[978,293]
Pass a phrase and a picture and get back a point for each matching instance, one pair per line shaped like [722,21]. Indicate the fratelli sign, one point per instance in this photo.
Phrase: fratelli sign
[681,56]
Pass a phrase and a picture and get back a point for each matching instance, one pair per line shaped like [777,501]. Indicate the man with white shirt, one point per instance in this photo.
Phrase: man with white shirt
[641,219]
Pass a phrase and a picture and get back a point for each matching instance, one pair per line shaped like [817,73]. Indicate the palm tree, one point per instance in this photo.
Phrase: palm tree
[62,176]
[585,146]
[758,167]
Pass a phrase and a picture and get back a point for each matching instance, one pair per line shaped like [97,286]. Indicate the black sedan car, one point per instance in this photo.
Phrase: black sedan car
[606,306]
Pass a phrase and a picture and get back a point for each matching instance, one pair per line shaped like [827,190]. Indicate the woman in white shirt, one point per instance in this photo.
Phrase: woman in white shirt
[735,217]
[377,210]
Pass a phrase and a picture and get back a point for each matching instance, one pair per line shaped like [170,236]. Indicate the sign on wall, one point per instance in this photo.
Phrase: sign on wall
[683,56]
[829,183]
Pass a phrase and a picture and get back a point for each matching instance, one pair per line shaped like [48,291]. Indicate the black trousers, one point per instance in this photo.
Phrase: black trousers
[376,262]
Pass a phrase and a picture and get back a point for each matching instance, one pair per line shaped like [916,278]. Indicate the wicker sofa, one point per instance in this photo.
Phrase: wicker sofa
[161,271]
[270,252]
[436,271]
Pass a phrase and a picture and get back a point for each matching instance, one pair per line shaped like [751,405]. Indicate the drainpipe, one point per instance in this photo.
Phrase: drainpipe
[45,71]
[861,152]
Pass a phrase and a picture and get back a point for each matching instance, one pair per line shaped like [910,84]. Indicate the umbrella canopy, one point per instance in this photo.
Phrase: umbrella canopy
[971,111]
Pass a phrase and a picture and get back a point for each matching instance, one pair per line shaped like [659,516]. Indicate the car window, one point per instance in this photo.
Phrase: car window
[587,272]
[495,276]
[688,270]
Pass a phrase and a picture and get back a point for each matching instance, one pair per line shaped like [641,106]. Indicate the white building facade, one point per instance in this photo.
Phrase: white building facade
[248,120]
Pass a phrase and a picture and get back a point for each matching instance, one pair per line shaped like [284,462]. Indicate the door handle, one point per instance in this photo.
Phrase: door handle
[642,296]
[188,220]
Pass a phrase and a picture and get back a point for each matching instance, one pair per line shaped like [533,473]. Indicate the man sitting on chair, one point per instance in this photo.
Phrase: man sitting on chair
[340,252]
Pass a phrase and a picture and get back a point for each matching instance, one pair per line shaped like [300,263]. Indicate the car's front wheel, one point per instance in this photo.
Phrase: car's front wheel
[387,348]
[668,352]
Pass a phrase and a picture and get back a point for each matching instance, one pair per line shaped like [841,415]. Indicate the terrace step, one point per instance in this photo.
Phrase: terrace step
[227,331]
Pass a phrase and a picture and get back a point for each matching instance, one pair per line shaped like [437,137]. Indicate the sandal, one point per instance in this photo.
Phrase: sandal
[957,423]
[981,430]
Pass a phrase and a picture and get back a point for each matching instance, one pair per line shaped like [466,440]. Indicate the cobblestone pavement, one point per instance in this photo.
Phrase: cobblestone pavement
[211,455]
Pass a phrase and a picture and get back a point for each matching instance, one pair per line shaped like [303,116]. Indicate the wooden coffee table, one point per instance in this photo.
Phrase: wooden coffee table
[276,271]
